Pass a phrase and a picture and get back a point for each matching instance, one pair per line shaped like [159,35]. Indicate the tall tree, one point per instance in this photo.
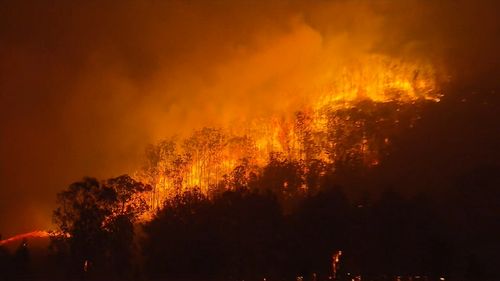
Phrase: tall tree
[96,221]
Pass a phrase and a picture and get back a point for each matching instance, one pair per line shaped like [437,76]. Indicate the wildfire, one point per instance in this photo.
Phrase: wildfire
[348,116]
[32,234]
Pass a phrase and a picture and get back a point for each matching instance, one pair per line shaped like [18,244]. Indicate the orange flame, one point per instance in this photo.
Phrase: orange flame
[210,155]
[32,234]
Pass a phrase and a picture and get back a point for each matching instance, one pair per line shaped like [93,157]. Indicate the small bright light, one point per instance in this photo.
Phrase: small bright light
[441,278]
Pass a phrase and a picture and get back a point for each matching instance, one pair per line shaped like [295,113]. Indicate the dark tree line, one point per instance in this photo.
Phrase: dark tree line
[248,232]
[245,234]
[267,225]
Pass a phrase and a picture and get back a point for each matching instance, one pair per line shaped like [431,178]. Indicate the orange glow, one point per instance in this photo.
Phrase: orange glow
[335,263]
[32,234]
[337,121]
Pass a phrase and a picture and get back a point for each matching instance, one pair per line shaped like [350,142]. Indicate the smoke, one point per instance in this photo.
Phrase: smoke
[85,85]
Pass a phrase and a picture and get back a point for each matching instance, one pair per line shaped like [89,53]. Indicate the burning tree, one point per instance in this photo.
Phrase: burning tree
[347,122]
[164,170]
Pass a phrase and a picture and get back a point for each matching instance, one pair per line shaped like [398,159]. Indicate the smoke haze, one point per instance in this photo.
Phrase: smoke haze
[86,85]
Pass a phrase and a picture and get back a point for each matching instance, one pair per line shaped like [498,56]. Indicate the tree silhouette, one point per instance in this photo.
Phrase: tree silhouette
[21,259]
[178,238]
[5,263]
[284,178]
[96,221]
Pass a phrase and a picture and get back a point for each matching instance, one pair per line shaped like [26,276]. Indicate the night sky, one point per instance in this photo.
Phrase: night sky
[86,85]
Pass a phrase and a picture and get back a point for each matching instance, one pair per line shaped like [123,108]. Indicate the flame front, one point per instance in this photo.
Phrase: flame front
[32,234]
[349,115]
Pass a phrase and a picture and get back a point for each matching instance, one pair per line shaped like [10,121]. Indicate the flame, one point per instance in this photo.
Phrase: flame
[32,234]
[316,129]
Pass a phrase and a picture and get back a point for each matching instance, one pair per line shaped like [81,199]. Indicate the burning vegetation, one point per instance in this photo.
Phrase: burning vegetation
[29,235]
[285,140]
[348,120]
